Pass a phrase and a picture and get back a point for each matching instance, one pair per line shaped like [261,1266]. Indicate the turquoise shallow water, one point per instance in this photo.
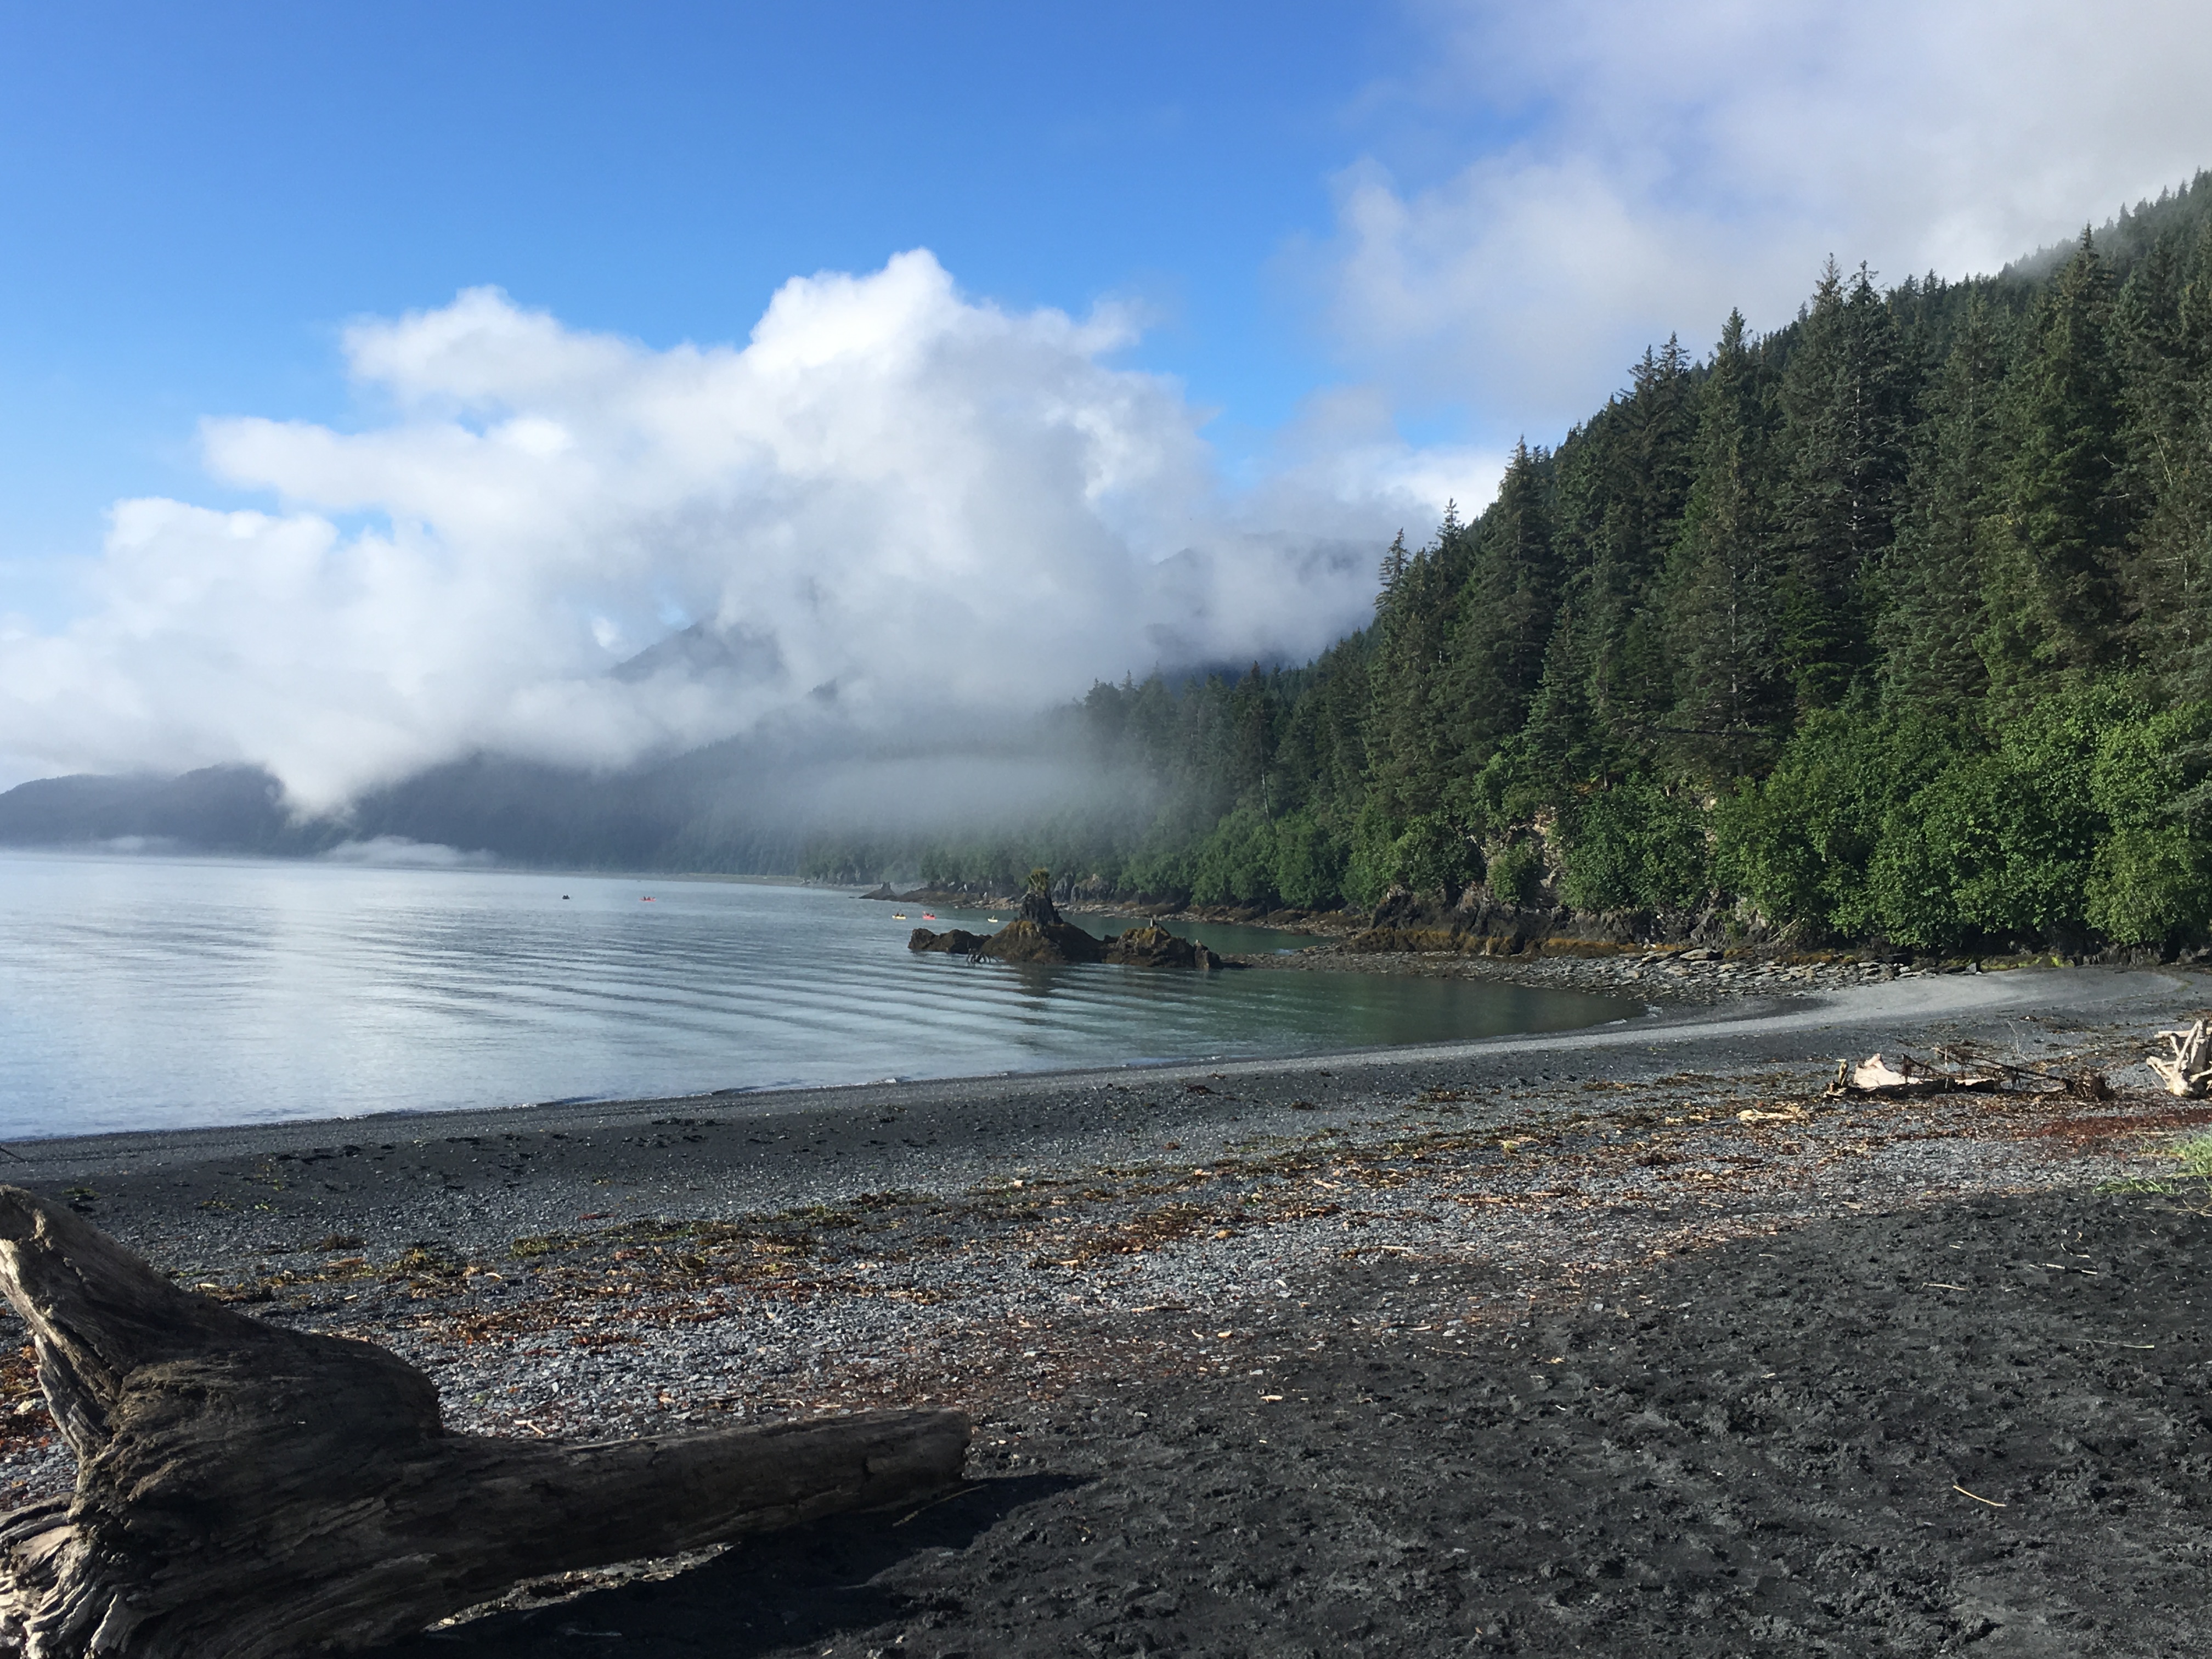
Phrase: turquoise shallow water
[144,993]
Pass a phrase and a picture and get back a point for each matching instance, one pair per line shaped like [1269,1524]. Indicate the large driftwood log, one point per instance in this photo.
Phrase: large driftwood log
[246,1490]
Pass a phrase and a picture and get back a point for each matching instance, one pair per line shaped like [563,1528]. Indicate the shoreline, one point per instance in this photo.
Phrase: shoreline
[1686,1015]
[1124,1274]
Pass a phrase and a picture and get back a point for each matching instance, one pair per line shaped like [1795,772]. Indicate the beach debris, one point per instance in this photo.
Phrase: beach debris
[211,1521]
[2083,1086]
[1974,1073]
[1782,1115]
[2187,1072]
[1905,1076]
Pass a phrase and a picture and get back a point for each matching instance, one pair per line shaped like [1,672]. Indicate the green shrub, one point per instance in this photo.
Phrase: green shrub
[1516,870]
[1236,864]
[1308,863]
[1801,844]
[1434,855]
[2150,877]
[2004,843]
[1367,869]
[1161,869]
[1634,846]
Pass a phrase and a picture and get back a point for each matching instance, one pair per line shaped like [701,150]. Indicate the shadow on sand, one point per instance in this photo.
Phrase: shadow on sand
[803,1586]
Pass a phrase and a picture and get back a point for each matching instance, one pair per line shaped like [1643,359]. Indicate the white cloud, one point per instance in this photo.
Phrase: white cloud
[1671,161]
[1345,450]
[893,500]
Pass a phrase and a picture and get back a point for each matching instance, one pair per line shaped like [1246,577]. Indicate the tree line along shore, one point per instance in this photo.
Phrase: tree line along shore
[1893,625]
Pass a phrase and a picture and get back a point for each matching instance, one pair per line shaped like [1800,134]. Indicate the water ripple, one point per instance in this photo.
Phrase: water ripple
[141,993]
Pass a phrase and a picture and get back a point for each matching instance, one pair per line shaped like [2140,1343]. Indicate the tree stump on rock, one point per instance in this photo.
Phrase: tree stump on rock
[246,1490]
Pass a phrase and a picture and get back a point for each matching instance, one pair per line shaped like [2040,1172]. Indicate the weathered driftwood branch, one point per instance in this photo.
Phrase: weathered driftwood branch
[1906,1076]
[2188,1070]
[246,1490]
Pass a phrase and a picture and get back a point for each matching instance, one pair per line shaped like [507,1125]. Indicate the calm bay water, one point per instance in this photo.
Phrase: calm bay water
[140,992]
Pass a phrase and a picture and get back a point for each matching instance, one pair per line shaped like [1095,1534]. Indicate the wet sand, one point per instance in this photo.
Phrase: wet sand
[1625,1340]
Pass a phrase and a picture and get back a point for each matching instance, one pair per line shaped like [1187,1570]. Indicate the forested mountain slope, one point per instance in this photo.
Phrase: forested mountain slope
[1896,624]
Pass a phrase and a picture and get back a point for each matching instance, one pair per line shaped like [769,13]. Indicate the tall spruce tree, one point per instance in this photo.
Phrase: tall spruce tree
[1932,576]
[1322,757]
[1563,737]
[1646,459]
[1721,598]
[1505,612]
[1411,738]
[2166,330]
[1845,402]
[2054,588]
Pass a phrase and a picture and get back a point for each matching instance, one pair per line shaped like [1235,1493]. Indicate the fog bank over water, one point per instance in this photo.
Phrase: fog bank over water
[750,805]
[894,504]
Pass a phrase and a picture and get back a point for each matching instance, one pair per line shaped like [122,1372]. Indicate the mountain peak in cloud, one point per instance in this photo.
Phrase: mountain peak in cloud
[928,501]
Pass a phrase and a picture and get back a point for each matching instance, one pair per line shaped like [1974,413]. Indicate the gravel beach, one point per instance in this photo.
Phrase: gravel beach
[1620,1340]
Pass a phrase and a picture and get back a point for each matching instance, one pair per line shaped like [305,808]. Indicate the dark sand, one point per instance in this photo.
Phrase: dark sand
[1620,1341]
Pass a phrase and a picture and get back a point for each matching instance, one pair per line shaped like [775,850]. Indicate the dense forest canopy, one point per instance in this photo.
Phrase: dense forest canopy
[1895,622]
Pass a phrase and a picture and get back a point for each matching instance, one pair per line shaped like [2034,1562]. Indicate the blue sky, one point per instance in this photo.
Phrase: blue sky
[372,378]
[200,197]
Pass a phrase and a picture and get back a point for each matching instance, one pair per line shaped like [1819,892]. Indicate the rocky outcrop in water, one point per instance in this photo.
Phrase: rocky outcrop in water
[1153,947]
[953,941]
[1038,934]
[1041,934]
[1018,941]
[1024,940]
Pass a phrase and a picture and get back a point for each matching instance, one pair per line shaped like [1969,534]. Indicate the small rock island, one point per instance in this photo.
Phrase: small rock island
[1041,934]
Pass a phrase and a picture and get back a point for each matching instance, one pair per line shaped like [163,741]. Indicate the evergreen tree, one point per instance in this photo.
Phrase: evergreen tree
[1252,721]
[2166,326]
[1505,610]
[1639,471]
[1410,741]
[1321,759]
[1844,401]
[1721,601]
[1562,735]
[1934,575]
[2053,596]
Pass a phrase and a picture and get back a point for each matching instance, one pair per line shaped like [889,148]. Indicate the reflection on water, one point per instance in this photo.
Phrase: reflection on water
[160,992]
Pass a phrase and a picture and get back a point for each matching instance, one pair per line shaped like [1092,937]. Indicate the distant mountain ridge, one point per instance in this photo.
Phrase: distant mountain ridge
[233,809]
[655,819]
[740,807]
